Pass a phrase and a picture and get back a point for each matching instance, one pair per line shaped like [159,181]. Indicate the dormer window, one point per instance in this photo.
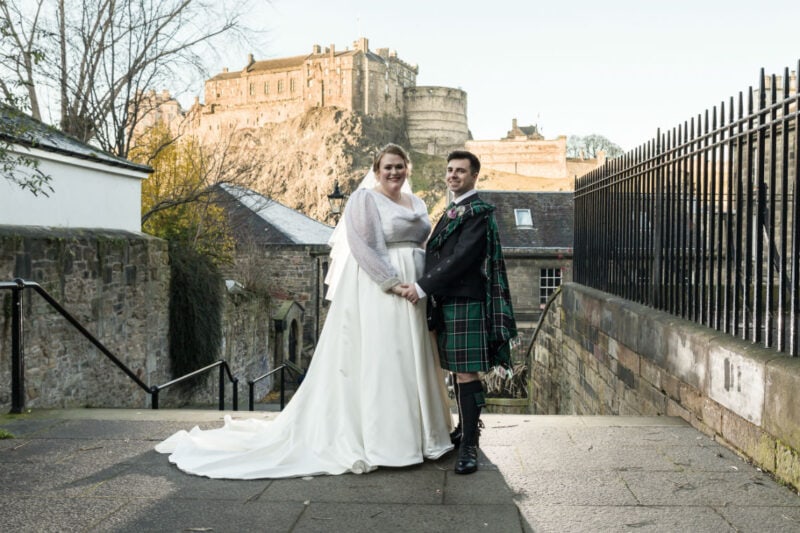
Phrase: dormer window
[523,218]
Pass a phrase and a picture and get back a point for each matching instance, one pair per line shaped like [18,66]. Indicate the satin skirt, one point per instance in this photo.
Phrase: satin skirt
[373,396]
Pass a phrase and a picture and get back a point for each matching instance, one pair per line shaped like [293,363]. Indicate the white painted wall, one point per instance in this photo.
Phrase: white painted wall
[86,194]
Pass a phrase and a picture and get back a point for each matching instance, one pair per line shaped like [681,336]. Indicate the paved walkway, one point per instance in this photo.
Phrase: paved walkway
[95,470]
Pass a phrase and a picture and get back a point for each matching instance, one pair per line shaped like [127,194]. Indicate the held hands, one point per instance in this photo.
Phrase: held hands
[407,291]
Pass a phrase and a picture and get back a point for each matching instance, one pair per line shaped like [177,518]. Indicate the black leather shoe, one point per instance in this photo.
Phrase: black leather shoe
[467,461]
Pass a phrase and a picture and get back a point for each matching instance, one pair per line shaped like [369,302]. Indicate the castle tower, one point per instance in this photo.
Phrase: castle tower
[436,119]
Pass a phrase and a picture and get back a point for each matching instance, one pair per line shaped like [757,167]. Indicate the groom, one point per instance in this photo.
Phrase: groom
[469,305]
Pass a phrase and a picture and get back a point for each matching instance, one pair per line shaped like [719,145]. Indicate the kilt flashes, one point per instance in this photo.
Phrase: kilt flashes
[463,340]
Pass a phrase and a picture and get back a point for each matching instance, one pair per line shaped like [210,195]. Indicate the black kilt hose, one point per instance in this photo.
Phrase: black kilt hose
[462,336]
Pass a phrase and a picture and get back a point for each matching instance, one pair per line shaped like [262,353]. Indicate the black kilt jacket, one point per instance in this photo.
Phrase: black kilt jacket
[456,268]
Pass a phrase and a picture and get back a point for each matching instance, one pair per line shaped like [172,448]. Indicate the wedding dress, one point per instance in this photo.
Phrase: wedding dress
[374,391]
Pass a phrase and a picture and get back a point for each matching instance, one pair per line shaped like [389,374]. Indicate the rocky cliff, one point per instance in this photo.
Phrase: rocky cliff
[300,159]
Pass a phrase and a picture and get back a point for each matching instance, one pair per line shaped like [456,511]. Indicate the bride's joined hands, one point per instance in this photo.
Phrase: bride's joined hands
[407,291]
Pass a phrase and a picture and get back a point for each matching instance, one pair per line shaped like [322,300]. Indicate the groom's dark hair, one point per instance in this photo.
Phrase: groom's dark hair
[474,162]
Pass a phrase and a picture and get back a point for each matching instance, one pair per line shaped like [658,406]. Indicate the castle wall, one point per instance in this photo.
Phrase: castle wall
[535,158]
[436,119]
[368,82]
[579,167]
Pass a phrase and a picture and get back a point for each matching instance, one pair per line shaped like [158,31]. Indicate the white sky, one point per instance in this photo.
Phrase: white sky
[619,68]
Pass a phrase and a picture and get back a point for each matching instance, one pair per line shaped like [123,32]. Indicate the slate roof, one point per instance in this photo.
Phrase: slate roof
[551,212]
[18,128]
[266,221]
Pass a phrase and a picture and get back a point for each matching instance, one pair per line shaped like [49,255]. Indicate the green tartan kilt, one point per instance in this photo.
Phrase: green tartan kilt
[463,342]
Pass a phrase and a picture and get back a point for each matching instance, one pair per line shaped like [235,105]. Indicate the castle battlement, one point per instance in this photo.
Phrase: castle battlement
[372,83]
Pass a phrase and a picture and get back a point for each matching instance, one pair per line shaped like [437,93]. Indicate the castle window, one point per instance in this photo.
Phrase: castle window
[549,281]
[292,85]
[266,87]
[280,86]
[523,218]
[252,89]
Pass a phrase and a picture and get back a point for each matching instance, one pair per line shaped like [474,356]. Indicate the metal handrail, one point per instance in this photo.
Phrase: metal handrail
[17,361]
[224,368]
[550,300]
[286,365]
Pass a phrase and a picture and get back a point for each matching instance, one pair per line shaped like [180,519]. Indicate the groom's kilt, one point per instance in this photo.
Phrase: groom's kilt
[463,343]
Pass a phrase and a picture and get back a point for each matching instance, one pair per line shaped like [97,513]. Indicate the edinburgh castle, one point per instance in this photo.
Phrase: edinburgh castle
[372,83]
[309,120]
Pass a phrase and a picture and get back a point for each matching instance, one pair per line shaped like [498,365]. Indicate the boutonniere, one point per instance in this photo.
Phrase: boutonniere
[455,212]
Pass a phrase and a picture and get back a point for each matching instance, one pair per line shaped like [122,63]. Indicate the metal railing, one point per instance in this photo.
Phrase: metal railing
[223,369]
[287,365]
[702,221]
[18,363]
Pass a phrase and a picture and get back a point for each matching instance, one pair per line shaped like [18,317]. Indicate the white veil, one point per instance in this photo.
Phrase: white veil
[340,250]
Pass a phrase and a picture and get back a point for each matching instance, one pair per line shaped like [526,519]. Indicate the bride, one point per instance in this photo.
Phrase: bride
[374,392]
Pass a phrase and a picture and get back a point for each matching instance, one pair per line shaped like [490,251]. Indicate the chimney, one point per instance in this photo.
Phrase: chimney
[513,123]
[316,49]
[361,45]
[333,50]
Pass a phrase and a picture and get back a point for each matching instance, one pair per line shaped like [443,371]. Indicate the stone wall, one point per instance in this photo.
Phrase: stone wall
[116,284]
[600,354]
[288,273]
[247,345]
[535,158]
[524,278]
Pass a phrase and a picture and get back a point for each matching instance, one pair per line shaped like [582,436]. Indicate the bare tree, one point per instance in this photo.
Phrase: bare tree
[97,57]
[587,146]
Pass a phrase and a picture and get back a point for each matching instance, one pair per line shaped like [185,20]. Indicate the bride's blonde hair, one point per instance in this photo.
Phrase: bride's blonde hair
[390,148]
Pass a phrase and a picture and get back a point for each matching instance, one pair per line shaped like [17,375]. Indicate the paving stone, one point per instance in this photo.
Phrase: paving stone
[412,485]
[369,518]
[56,514]
[202,515]
[768,518]
[627,518]
[96,470]
[747,488]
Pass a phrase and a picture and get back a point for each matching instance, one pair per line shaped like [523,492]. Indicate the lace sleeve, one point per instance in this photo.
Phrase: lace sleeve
[366,240]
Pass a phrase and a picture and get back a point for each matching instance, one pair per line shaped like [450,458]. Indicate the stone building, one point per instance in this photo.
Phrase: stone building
[373,83]
[82,243]
[284,253]
[84,246]
[525,151]
[536,232]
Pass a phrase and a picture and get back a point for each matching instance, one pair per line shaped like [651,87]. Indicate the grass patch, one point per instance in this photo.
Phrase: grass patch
[5,434]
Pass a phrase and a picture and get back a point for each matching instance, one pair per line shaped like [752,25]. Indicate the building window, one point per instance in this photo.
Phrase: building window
[523,218]
[280,86]
[549,280]
[252,89]
[291,85]
[266,87]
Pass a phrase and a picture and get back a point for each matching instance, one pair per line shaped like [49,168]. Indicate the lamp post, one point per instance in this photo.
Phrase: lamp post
[336,199]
